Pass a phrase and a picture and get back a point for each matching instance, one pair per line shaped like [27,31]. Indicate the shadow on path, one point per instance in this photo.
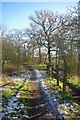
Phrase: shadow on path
[37,110]
[38,107]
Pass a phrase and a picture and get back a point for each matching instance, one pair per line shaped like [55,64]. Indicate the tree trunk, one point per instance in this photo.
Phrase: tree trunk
[49,56]
[33,52]
[57,72]
[78,47]
[79,66]
[65,76]
[39,55]
[18,58]
[49,59]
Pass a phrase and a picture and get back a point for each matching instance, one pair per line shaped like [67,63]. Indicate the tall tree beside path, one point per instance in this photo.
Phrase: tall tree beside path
[35,36]
[79,42]
[48,23]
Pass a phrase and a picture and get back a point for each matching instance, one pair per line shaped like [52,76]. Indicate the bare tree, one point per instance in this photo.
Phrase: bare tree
[35,36]
[79,41]
[47,23]
[74,25]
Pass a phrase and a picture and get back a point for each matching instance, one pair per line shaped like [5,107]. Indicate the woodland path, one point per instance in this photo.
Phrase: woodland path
[38,106]
[41,107]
